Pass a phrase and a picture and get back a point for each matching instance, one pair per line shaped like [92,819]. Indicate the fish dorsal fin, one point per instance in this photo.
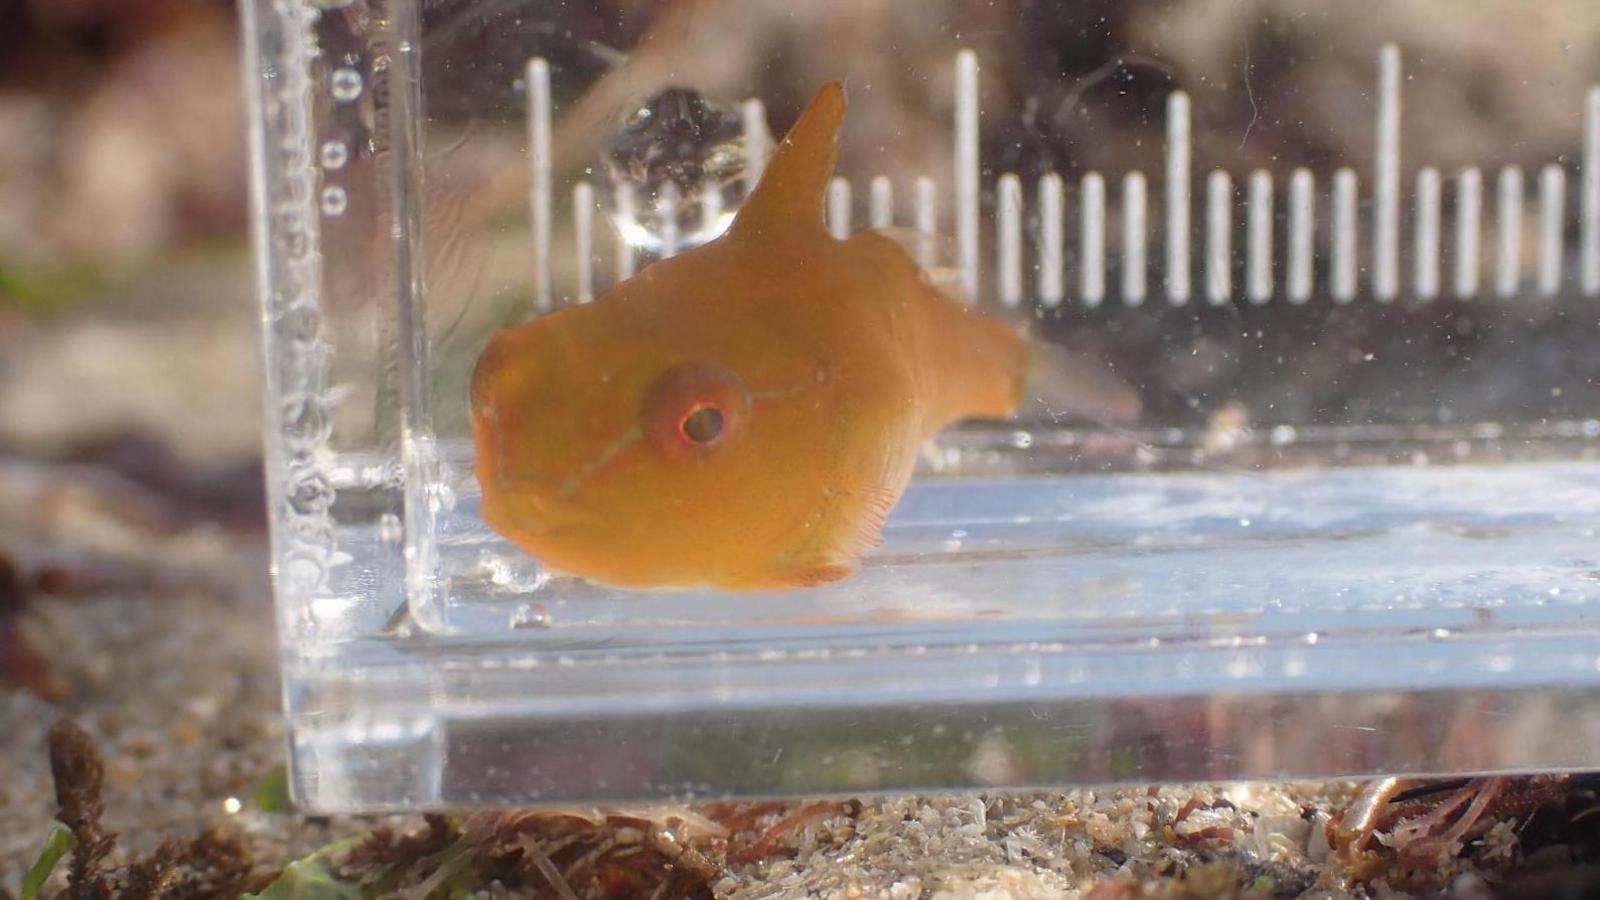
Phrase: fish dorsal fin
[790,192]
[946,278]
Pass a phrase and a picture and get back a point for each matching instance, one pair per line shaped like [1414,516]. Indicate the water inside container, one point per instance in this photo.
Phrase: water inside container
[1364,464]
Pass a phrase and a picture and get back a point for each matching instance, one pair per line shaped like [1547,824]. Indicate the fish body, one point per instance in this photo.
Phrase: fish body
[743,415]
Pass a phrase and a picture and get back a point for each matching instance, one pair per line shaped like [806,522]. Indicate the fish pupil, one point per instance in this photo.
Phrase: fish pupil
[703,425]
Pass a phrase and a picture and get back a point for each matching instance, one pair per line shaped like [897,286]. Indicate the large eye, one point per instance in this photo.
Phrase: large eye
[703,424]
[694,408]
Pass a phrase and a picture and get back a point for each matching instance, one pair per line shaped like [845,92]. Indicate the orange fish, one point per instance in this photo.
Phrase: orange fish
[741,416]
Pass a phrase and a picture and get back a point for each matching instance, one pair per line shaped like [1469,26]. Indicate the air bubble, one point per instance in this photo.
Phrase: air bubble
[345,84]
[531,615]
[301,324]
[334,155]
[441,497]
[390,529]
[672,173]
[304,420]
[302,576]
[334,200]
[312,494]
[499,570]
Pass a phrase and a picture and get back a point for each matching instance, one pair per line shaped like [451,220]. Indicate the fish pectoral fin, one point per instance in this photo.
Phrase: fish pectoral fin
[823,573]
[849,524]
[875,502]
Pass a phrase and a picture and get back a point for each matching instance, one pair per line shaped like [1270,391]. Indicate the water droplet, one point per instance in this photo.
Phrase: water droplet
[499,569]
[334,200]
[302,576]
[1021,440]
[311,494]
[295,244]
[334,155]
[390,529]
[345,84]
[301,324]
[531,615]
[441,497]
[672,171]
[304,419]
[309,532]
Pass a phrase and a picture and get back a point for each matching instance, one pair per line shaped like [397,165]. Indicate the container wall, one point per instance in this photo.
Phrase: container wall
[327,265]
[1320,450]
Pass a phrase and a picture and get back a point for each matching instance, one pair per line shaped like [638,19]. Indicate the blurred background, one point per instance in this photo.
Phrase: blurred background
[125,289]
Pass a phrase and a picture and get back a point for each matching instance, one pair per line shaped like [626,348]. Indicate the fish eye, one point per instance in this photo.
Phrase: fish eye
[703,425]
[693,409]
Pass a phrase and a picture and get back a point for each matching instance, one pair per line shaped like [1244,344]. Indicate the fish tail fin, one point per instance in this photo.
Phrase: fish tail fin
[985,367]
[976,366]
[793,184]
[1062,385]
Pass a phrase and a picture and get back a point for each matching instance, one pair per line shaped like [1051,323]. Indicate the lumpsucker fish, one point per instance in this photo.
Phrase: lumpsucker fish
[744,415]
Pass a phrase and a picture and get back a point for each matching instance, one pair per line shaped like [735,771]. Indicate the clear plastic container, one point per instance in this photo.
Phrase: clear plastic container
[1353,528]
